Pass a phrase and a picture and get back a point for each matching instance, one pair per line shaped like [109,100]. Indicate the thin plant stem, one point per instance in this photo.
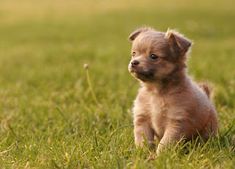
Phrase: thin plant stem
[90,85]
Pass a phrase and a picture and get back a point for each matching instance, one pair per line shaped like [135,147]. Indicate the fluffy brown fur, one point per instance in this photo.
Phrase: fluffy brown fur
[169,105]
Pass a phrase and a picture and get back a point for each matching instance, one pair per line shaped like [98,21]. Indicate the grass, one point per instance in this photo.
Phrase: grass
[56,114]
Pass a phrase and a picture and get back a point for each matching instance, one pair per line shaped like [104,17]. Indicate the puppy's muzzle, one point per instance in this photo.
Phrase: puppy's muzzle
[134,63]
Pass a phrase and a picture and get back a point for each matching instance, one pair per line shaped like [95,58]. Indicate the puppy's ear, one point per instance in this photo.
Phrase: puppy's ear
[178,42]
[134,34]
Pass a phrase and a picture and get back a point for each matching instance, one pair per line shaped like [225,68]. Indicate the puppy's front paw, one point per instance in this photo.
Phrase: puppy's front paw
[152,156]
[139,143]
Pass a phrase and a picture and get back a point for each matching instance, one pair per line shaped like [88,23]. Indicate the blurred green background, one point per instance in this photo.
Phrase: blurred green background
[48,116]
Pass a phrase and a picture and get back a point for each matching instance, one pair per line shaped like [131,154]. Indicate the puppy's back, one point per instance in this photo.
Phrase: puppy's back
[205,87]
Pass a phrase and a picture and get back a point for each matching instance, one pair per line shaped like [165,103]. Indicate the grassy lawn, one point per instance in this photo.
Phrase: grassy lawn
[55,114]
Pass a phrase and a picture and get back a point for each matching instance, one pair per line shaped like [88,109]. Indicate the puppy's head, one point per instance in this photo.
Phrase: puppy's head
[157,55]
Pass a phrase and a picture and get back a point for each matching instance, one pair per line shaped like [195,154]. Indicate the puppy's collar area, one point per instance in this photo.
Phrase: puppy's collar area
[175,79]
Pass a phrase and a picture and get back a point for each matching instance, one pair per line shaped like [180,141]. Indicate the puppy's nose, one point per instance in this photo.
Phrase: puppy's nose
[134,63]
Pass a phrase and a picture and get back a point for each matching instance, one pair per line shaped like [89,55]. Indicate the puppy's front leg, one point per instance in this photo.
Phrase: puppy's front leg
[142,130]
[170,136]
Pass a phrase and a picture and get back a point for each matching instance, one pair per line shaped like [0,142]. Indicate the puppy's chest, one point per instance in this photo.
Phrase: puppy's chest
[159,107]
[160,110]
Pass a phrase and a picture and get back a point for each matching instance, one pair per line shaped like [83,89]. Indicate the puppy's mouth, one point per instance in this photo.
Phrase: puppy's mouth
[144,75]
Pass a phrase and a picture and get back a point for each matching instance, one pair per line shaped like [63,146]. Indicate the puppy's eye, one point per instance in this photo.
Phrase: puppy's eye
[153,56]
[133,54]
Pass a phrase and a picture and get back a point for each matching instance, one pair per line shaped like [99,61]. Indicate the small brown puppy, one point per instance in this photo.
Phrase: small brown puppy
[169,105]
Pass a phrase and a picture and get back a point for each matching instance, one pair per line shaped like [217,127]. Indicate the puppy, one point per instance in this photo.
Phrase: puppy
[169,105]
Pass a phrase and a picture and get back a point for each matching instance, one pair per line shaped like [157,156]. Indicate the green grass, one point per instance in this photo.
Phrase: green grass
[50,117]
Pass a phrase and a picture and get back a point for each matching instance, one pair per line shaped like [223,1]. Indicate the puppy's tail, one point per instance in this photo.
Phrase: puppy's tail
[206,88]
